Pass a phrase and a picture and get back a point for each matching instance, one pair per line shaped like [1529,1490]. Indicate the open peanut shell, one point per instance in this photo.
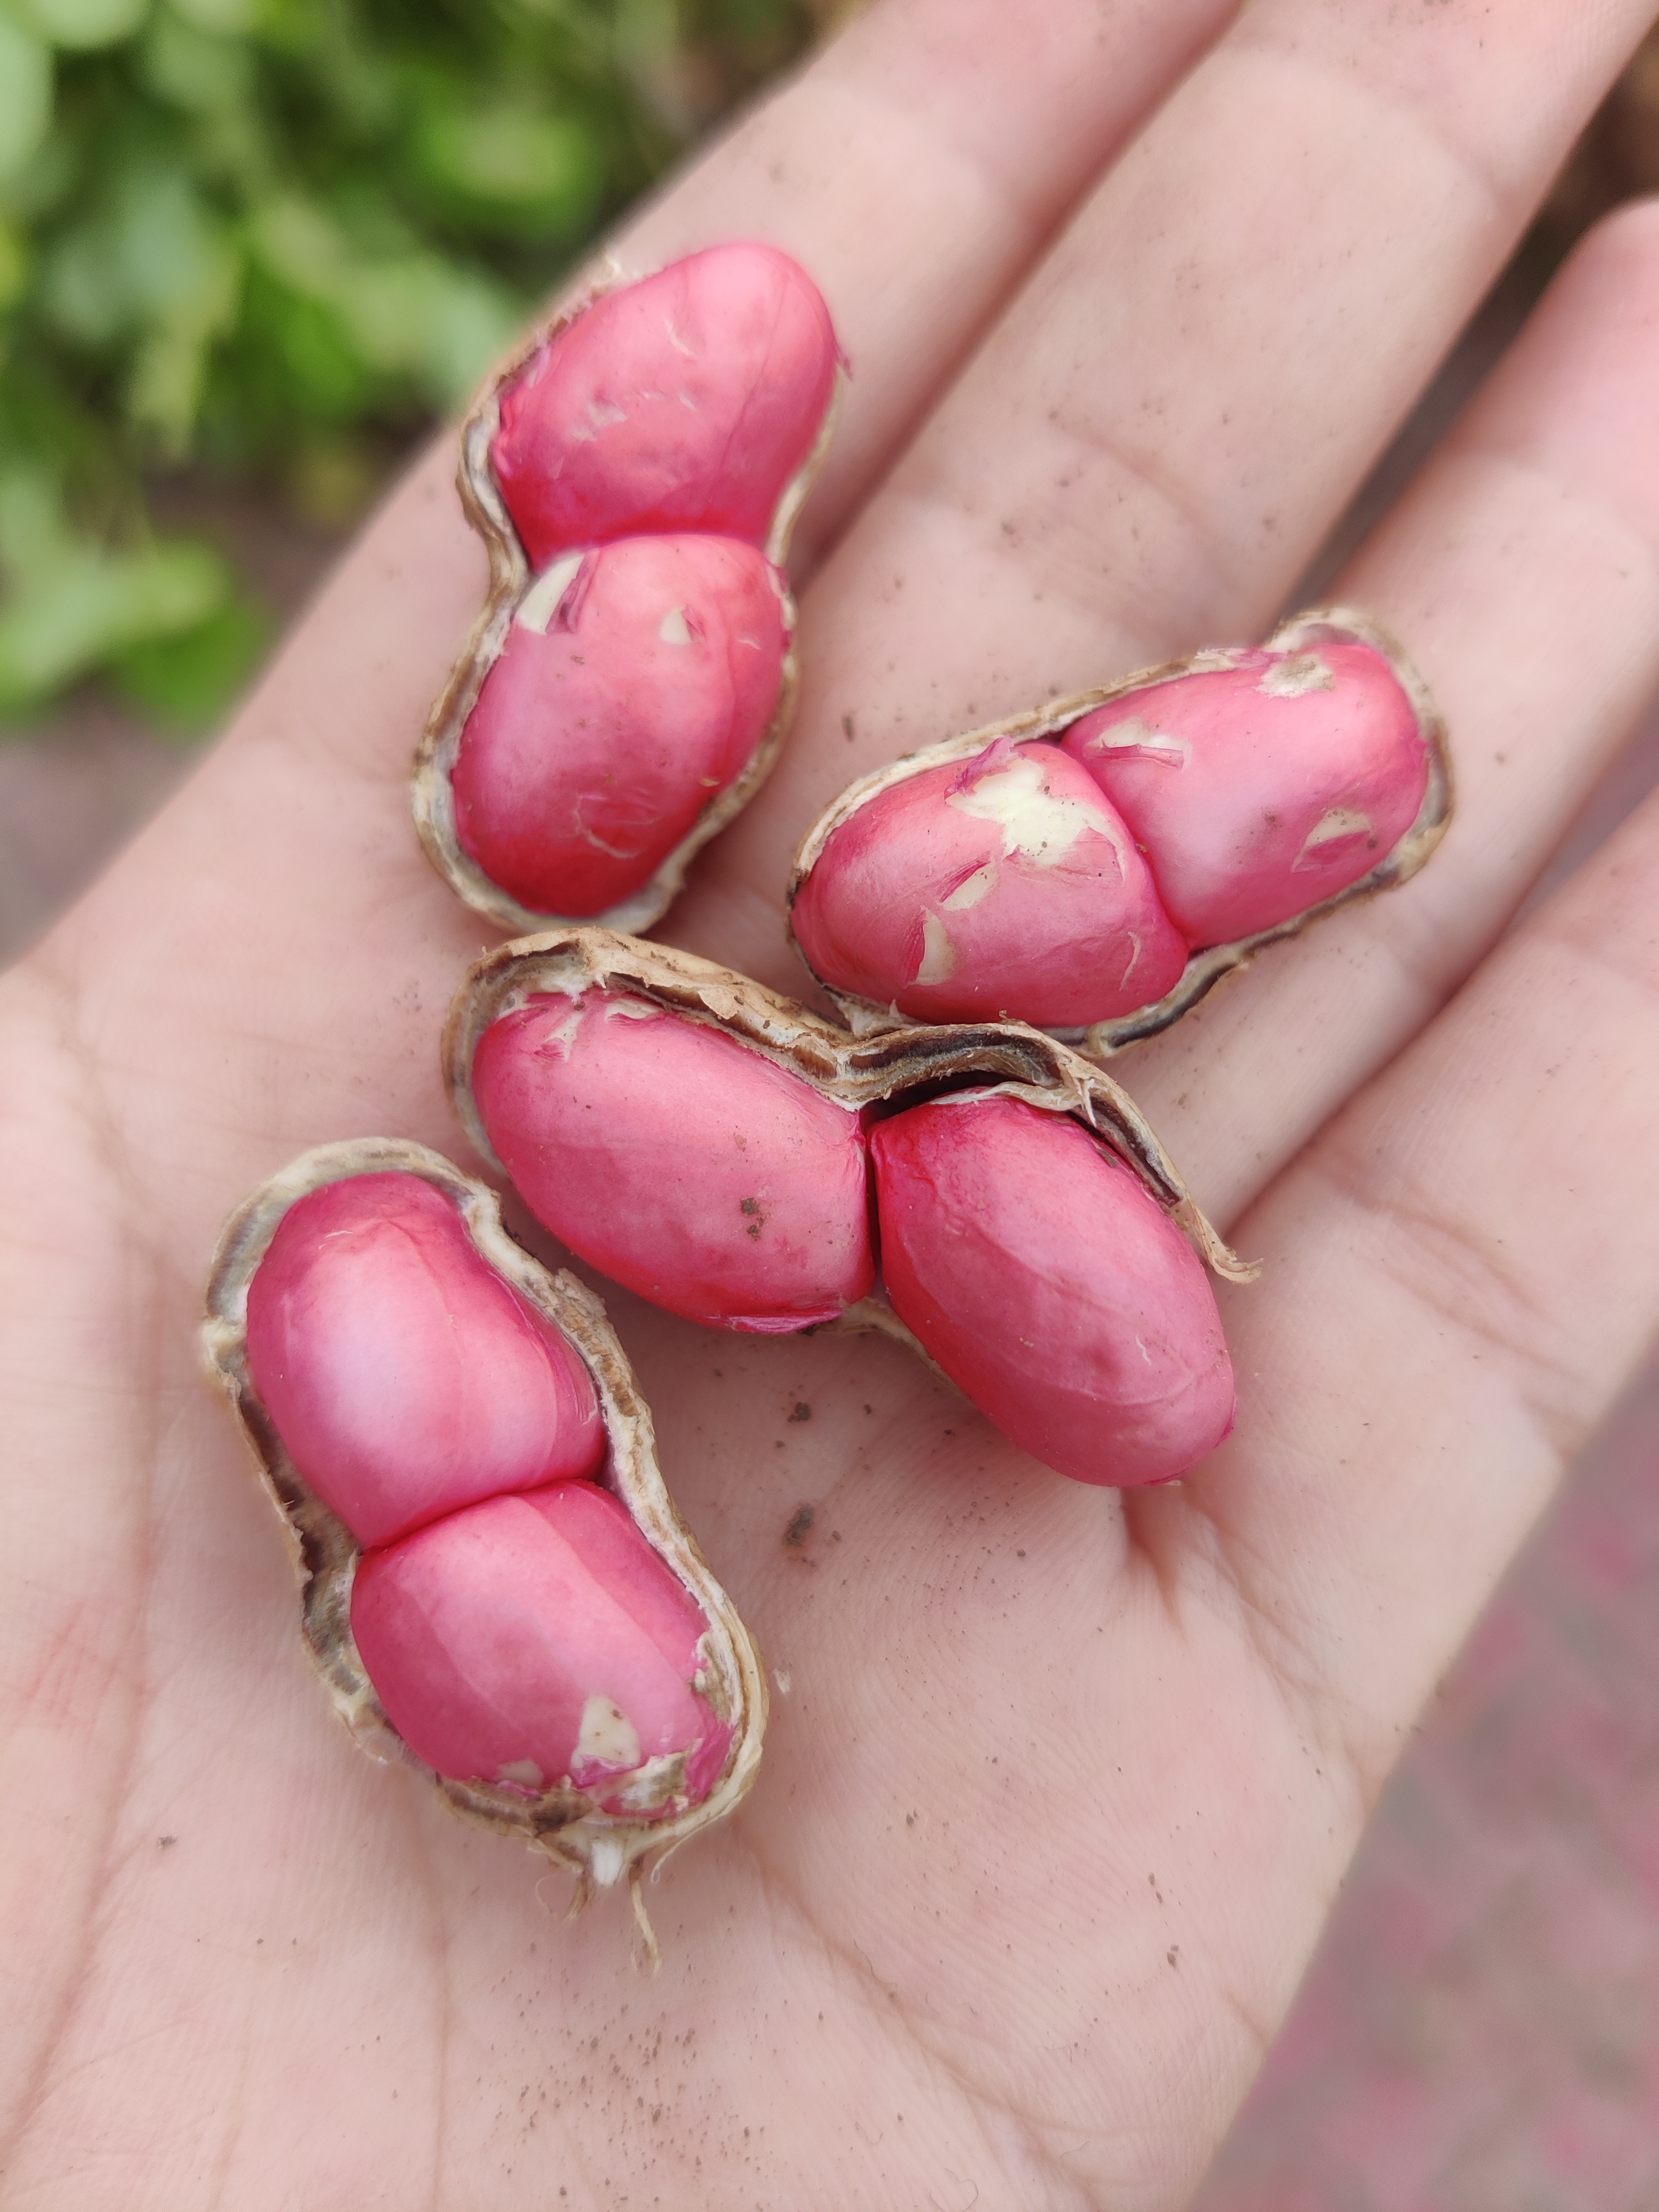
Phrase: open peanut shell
[1207,967]
[912,1061]
[564,1822]
[511,580]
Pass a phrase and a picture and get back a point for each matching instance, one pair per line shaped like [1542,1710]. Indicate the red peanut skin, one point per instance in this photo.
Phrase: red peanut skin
[594,746]
[1237,807]
[688,401]
[686,1167]
[487,1634]
[404,1376]
[1064,926]
[1052,1289]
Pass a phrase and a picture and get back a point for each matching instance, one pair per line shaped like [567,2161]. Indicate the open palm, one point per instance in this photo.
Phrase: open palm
[1059,1782]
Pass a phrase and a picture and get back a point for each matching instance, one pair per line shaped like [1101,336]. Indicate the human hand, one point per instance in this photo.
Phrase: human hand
[1063,1781]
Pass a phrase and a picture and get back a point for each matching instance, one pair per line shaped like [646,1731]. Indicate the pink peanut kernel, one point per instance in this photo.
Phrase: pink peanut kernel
[406,1377]
[1052,1288]
[1260,790]
[689,1168]
[635,684]
[537,1638]
[688,401]
[1005,884]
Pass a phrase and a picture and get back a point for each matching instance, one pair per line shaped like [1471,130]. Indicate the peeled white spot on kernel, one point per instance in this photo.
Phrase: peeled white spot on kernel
[673,629]
[541,602]
[785,1681]
[939,955]
[1145,743]
[1041,825]
[1340,822]
[608,1737]
[1129,965]
[564,1034]
[972,888]
[603,844]
[1297,675]
[523,1771]
[677,342]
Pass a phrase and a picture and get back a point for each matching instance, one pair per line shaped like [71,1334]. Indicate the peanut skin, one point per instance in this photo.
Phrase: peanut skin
[406,1377]
[696,1172]
[1052,1289]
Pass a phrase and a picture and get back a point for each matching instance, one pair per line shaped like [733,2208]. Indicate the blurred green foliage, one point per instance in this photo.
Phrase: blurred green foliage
[265,240]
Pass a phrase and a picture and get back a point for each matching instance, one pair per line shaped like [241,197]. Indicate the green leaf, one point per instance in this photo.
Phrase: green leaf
[329,376]
[187,683]
[81,289]
[331,479]
[154,253]
[174,259]
[413,315]
[227,18]
[538,175]
[24,97]
[272,237]
[203,74]
[300,244]
[73,604]
[75,24]
[168,373]
[419,317]
[14,264]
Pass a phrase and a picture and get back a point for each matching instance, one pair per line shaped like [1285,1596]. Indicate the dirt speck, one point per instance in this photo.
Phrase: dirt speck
[799,1525]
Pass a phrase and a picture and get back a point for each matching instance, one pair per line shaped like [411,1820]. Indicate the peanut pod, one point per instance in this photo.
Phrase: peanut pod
[1096,866]
[721,1150]
[494,1583]
[635,471]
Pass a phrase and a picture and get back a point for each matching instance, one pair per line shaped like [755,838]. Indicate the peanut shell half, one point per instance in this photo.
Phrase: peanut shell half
[1005,1058]
[564,1822]
[511,579]
[1204,968]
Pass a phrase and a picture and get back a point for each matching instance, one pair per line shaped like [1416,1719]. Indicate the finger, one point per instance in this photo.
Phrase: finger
[1459,1280]
[1524,567]
[1164,424]
[916,171]
[1462,1278]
